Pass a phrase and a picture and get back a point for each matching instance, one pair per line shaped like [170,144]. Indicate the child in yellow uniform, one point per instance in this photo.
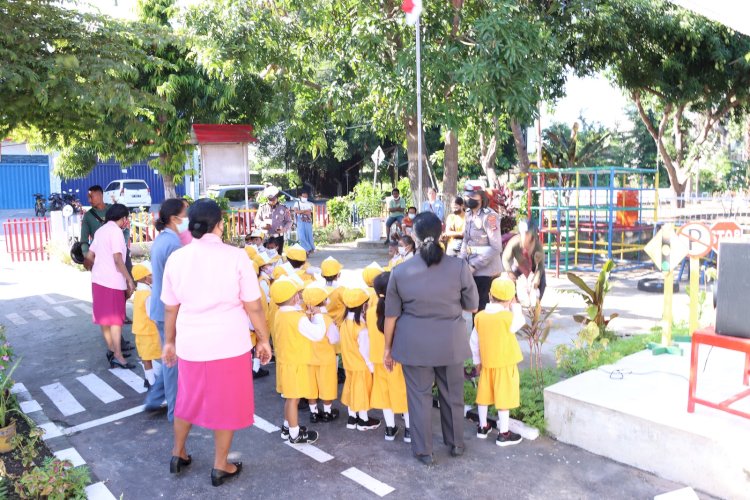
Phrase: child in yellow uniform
[355,352]
[258,372]
[496,353]
[265,272]
[296,330]
[369,274]
[323,375]
[253,243]
[297,257]
[388,387]
[330,269]
[146,334]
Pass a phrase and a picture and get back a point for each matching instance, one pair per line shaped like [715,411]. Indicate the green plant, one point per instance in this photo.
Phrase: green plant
[8,403]
[404,189]
[470,392]
[339,210]
[26,446]
[54,480]
[368,200]
[594,298]
[531,411]
[588,353]
[535,331]
[6,351]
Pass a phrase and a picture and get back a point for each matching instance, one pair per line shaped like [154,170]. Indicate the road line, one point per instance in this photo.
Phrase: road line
[84,307]
[104,420]
[40,315]
[16,319]
[265,425]
[99,491]
[130,378]
[64,311]
[30,406]
[48,299]
[18,388]
[51,430]
[71,455]
[312,451]
[99,388]
[378,487]
[63,399]
[686,493]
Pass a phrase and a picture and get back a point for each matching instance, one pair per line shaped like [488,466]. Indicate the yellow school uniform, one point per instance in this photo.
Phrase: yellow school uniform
[146,333]
[324,383]
[499,382]
[273,309]
[336,307]
[356,392]
[293,355]
[264,305]
[388,388]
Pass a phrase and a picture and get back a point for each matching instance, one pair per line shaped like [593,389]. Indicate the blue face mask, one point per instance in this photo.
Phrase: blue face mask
[183,225]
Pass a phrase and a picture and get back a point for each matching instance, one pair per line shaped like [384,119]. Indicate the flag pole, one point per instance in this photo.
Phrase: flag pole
[419,117]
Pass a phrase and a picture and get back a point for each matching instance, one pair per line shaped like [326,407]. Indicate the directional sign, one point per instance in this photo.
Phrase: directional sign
[666,249]
[378,156]
[725,231]
[698,237]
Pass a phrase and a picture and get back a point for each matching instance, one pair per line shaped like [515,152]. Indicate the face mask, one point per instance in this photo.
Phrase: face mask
[183,225]
[402,251]
[303,198]
[271,253]
[472,203]
[411,216]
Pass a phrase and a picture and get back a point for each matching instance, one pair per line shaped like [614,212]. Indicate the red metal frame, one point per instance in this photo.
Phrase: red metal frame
[26,239]
[707,336]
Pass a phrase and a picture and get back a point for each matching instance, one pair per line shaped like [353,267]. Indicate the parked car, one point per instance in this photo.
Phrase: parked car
[235,193]
[133,193]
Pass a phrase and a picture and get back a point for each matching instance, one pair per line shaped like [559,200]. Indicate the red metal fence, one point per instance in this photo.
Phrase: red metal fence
[26,239]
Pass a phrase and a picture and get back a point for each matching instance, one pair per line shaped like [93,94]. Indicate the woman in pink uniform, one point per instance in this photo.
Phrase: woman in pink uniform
[209,290]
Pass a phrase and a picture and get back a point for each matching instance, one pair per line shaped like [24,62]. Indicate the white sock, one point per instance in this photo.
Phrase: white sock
[503,420]
[390,418]
[150,376]
[352,413]
[314,408]
[327,408]
[363,415]
[293,432]
[406,420]
[256,365]
[482,410]
[286,423]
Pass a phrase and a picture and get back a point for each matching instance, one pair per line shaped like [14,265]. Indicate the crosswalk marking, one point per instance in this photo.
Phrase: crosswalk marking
[51,430]
[312,451]
[63,399]
[18,388]
[30,406]
[99,388]
[16,319]
[378,487]
[72,455]
[48,299]
[130,378]
[99,491]
[40,315]
[264,424]
[84,307]
[64,311]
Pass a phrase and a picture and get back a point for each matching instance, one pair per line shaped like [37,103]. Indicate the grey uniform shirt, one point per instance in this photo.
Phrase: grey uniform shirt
[482,246]
[429,302]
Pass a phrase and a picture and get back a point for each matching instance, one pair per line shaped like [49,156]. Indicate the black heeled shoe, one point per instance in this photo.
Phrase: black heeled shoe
[114,363]
[111,355]
[218,476]
[177,463]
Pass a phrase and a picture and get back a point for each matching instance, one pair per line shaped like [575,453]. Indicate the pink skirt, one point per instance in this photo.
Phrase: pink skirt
[109,305]
[216,394]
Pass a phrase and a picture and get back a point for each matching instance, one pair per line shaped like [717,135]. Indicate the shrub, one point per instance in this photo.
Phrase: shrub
[531,411]
[340,210]
[589,353]
[368,200]
[54,480]
[404,187]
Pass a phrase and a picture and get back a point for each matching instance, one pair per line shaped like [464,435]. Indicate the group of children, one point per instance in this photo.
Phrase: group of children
[315,325]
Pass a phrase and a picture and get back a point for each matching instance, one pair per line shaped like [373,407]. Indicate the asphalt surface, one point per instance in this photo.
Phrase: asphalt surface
[46,309]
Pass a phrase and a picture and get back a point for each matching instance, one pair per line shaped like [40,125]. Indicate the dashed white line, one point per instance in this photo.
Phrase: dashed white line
[312,451]
[16,319]
[378,487]
[40,315]
[264,425]
[99,491]
[99,388]
[18,388]
[64,311]
[63,399]
[84,307]
[30,406]
[104,420]
[48,299]
[682,494]
[51,430]
[71,455]
[130,378]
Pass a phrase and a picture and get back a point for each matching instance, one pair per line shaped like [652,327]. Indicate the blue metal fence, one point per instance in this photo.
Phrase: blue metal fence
[20,177]
[106,172]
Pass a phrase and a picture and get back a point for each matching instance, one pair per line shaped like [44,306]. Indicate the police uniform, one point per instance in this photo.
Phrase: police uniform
[280,217]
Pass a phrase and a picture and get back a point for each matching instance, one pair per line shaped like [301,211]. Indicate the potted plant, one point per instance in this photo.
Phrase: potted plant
[8,407]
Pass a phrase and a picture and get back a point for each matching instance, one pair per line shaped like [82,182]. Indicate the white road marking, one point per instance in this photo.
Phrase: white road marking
[63,399]
[311,451]
[48,299]
[130,378]
[682,494]
[378,487]
[265,425]
[99,491]
[99,388]
[71,455]
[40,315]
[64,311]
[84,307]
[104,420]
[30,406]
[16,319]
[18,388]
[51,430]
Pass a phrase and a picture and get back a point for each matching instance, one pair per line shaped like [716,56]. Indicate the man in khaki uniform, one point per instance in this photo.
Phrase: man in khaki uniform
[482,245]
[274,218]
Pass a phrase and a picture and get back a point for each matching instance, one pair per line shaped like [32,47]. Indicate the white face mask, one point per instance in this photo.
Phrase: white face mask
[183,225]
[411,216]
[303,198]
[271,253]
[402,251]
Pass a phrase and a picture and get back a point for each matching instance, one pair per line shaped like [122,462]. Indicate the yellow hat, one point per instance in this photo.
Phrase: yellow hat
[256,233]
[330,267]
[315,293]
[354,297]
[283,289]
[251,251]
[140,271]
[261,260]
[278,272]
[296,252]
[256,267]
[371,272]
[503,289]
[294,276]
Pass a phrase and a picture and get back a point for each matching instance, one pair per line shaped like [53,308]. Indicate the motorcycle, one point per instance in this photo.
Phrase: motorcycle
[71,199]
[40,208]
[56,202]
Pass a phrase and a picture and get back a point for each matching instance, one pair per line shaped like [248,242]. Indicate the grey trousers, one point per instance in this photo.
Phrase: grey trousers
[450,383]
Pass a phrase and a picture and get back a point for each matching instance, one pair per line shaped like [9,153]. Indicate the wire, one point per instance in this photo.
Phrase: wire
[707,356]
[619,373]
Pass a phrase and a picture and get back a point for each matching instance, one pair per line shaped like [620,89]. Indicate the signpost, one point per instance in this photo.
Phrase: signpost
[377,158]
[700,241]
[725,230]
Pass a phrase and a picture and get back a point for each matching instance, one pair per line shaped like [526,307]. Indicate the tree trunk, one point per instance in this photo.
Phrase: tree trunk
[170,191]
[410,123]
[521,146]
[488,154]
[450,166]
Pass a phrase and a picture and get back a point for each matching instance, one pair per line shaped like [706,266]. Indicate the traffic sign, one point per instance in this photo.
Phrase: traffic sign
[378,156]
[725,231]
[665,249]
[698,237]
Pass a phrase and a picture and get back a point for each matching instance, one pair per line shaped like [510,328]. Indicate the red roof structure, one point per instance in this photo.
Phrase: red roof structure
[222,134]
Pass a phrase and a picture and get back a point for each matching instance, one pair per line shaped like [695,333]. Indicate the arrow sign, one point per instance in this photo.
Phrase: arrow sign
[698,237]
[377,158]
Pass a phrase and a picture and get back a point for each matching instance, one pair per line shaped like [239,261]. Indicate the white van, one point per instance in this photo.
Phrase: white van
[133,193]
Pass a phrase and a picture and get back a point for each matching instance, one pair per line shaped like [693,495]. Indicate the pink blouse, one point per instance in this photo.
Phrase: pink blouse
[210,281]
[108,240]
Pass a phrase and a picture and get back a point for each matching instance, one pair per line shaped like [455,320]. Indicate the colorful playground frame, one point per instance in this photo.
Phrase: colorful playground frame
[585,212]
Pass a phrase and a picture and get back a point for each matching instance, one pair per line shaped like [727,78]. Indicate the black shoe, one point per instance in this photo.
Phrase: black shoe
[177,463]
[304,437]
[302,404]
[110,355]
[330,416]
[426,459]
[262,372]
[391,433]
[483,432]
[113,363]
[368,425]
[218,476]
[126,345]
[284,432]
[508,438]
[315,417]
[351,423]
[457,451]
[407,435]
[146,384]
[341,375]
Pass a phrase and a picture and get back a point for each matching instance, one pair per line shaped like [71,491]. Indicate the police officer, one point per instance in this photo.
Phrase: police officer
[482,245]
[274,217]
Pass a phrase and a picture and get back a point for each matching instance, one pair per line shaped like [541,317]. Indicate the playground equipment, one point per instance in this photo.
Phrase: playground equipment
[589,215]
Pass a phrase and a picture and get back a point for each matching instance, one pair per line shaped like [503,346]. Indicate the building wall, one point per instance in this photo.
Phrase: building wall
[21,176]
